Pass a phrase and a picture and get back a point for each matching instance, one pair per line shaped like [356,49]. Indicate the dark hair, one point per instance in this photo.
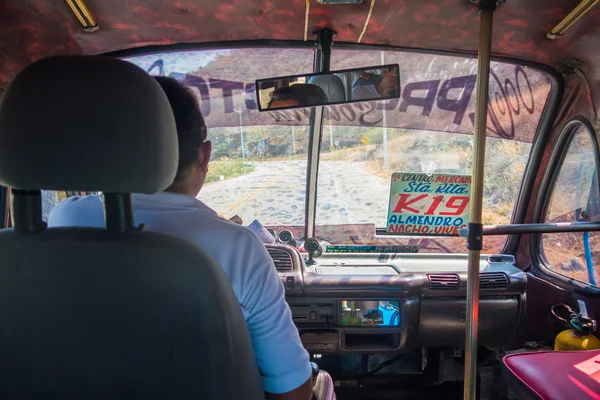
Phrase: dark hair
[191,129]
[305,94]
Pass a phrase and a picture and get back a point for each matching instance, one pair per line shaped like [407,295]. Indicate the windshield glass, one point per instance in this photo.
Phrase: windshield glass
[427,131]
[259,160]
[258,167]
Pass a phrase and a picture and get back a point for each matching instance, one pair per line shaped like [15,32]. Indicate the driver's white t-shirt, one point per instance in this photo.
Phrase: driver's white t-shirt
[365,92]
[283,362]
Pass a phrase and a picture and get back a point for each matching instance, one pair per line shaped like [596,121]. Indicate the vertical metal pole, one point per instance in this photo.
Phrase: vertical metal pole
[385,147]
[475,236]
[589,261]
[312,172]
[118,212]
[322,60]
[325,41]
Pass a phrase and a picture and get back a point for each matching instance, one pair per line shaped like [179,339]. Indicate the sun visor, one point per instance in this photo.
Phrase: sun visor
[86,123]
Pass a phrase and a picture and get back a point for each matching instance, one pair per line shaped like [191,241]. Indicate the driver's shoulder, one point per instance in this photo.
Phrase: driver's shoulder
[230,240]
[71,208]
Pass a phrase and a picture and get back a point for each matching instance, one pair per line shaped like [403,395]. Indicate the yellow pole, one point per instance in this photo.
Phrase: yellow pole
[574,16]
[475,237]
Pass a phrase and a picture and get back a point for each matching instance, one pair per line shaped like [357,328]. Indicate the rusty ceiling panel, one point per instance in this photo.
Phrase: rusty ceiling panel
[31,29]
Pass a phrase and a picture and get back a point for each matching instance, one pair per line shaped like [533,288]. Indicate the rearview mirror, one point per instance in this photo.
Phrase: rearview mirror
[587,193]
[380,82]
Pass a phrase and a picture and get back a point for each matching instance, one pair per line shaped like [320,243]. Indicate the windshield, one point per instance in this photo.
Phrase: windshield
[427,131]
[258,167]
[259,161]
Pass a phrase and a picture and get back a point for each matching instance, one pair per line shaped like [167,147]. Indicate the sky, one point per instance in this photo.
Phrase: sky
[181,61]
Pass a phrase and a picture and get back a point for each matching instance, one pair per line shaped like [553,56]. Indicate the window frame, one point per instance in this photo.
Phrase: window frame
[559,153]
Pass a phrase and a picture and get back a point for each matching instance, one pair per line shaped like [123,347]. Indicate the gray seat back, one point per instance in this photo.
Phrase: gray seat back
[332,86]
[115,313]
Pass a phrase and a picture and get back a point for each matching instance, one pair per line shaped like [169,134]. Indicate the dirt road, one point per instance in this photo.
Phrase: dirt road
[275,194]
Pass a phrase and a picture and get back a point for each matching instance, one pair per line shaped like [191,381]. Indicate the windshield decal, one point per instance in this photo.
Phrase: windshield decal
[437,93]
[374,249]
[436,109]
[428,204]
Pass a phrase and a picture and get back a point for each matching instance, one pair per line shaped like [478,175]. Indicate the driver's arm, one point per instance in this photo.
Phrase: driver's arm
[283,362]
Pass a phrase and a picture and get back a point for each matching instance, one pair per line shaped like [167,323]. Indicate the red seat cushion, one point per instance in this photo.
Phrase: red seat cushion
[557,375]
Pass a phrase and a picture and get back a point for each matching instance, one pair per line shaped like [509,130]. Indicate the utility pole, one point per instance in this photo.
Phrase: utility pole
[385,149]
[330,135]
[239,111]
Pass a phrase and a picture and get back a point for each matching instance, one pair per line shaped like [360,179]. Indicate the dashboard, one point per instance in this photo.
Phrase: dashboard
[363,303]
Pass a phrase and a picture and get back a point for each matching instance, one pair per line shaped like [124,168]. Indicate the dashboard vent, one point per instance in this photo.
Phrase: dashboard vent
[282,259]
[493,280]
[443,282]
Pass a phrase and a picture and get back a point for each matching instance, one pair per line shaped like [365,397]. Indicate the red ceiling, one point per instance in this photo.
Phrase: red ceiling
[31,29]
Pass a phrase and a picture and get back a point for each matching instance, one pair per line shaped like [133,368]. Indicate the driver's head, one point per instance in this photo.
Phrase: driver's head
[298,95]
[194,149]
[389,82]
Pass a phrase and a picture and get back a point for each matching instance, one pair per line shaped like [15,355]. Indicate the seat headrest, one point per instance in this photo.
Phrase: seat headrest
[86,123]
[332,86]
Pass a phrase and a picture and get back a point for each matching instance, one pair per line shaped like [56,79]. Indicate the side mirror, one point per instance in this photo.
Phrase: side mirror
[587,195]
[381,82]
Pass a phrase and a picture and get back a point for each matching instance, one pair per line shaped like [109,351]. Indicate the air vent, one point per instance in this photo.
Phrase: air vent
[443,282]
[282,259]
[493,281]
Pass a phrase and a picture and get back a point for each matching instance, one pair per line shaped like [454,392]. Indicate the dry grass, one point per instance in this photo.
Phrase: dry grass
[414,151]
[226,169]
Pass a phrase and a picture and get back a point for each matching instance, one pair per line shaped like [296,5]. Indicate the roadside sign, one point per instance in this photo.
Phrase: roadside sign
[364,140]
[428,204]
